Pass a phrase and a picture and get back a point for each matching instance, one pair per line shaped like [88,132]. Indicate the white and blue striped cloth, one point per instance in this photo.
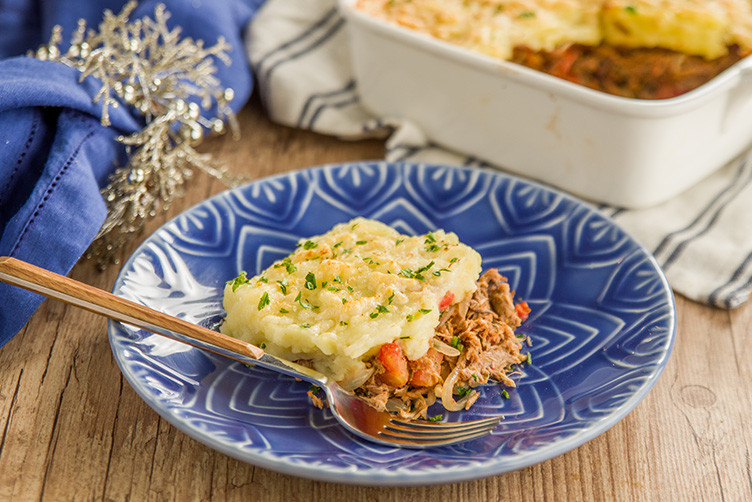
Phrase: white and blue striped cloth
[300,56]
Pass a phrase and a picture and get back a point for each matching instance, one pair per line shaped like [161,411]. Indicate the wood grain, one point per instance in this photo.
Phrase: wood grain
[72,429]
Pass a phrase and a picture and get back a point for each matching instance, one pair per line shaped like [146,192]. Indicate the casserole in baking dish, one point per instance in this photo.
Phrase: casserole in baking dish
[617,150]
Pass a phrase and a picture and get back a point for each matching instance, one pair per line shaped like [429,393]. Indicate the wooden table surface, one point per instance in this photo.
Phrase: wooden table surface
[71,428]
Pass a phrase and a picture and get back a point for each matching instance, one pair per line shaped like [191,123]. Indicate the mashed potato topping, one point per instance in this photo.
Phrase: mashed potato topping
[645,49]
[340,296]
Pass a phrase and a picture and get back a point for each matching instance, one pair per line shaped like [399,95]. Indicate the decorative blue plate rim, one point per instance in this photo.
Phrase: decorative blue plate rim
[603,321]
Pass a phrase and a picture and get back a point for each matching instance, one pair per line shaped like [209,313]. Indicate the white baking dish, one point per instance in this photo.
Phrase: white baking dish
[620,151]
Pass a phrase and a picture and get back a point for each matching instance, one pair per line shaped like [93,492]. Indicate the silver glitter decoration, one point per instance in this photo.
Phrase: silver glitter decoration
[171,81]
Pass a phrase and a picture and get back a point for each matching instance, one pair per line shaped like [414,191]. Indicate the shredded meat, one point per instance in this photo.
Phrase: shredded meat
[482,327]
[644,73]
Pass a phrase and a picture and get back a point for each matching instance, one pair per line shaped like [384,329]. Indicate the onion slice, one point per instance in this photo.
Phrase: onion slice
[445,349]
[356,380]
[447,391]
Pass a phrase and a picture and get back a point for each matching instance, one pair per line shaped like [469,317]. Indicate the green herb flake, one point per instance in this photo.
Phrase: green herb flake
[464,391]
[241,279]
[435,418]
[407,273]
[425,268]
[288,265]
[505,394]
[282,286]
[310,281]
[304,303]
[305,325]
[284,311]
[309,245]
[263,301]
[630,9]
[456,343]
[360,243]
[424,311]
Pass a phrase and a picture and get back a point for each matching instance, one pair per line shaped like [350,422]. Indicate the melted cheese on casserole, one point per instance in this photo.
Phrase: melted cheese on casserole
[494,27]
[343,294]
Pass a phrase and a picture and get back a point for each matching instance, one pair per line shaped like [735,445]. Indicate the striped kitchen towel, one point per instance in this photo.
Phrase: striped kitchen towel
[299,52]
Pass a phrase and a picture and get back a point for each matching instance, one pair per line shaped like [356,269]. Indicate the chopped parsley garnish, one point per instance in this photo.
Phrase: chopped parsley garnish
[360,243]
[407,273]
[305,325]
[505,394]
[263,301]
[241,279]
[424,311]
[309,245]
[380,309]
[310,281]
[464,391]
[288,265]
[283,286]
[304,303]
[284,311]
[435,418]
[456,343]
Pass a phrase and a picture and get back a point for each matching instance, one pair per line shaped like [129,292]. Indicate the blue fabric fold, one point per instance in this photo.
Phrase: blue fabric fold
[55,156]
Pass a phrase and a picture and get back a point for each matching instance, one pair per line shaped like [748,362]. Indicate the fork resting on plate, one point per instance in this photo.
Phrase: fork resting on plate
[353,413]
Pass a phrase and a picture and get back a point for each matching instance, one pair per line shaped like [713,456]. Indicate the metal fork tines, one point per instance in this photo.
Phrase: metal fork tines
[427,434]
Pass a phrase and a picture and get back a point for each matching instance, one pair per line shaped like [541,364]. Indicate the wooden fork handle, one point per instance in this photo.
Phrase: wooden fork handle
[65,289]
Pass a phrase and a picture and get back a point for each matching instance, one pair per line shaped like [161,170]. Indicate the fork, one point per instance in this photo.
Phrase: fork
[352,412]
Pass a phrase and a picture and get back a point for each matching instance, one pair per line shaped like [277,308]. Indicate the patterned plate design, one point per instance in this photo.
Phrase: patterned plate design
[602,323]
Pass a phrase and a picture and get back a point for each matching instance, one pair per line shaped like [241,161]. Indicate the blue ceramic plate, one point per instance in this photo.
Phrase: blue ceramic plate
[602,323]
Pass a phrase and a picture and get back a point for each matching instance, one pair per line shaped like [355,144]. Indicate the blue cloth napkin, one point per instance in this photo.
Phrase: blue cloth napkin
[54,153]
